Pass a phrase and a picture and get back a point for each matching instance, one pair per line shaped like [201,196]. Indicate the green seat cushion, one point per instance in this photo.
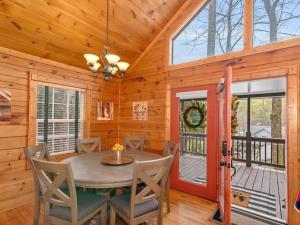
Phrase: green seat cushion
[122,204]
[87,202]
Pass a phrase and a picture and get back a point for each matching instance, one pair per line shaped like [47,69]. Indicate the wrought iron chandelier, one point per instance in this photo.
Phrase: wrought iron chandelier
[112,66]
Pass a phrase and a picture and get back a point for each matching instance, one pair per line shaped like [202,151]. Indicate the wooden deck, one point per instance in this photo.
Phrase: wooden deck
[270,183]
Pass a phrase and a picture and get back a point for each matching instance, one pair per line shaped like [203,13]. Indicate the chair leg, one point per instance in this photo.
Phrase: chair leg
[112,215]
[159,219]
[168,200]
[36,210]
[47,209]
[103,214]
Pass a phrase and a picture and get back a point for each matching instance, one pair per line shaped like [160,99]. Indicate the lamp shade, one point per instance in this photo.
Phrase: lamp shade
[91,58]
[114,70]
[94,67]
[123,66]
[112,59]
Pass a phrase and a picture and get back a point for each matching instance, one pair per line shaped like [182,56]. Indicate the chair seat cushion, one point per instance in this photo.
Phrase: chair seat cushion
[87,202]
[122,203]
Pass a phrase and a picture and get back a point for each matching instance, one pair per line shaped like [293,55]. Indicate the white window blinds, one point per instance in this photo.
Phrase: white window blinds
[60,117]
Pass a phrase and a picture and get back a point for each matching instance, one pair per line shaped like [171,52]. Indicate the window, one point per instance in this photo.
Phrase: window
[216,29]
[59,118]
[275,20]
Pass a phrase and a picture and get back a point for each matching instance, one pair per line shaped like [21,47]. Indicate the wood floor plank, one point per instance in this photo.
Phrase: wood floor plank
[252,177]
[266,181]
[242,182]
[282,193]
[258,179]
[274,191]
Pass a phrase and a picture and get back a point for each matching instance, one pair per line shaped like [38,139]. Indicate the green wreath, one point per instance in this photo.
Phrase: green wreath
[200,108]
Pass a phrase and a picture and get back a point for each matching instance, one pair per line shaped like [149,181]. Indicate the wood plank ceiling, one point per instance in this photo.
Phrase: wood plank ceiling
[62,30]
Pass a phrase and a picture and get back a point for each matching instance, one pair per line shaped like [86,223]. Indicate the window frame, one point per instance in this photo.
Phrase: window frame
[248,47]
[52,120]
[33,81]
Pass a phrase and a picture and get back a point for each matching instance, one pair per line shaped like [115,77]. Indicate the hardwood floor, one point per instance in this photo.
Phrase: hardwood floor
[185,209]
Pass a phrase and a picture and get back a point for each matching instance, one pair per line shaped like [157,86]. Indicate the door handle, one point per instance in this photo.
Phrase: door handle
[225,164]
[222,163]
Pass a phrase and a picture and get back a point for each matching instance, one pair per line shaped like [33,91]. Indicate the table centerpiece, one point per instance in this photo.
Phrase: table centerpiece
[118,148]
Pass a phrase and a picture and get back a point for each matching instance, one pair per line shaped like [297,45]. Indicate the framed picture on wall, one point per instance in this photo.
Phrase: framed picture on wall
[105,110]
[5,105]
[140,111]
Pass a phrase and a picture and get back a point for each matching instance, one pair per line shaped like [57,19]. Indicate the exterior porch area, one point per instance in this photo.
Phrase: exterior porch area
[265,185]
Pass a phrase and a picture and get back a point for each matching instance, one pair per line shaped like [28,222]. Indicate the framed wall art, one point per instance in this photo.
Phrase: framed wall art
[140,111]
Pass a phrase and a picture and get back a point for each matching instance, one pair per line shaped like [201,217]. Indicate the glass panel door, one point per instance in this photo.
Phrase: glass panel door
[194,128]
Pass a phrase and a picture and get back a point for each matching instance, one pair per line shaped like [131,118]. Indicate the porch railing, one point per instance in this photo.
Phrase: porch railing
[262,151]
[194,144]
[258,150]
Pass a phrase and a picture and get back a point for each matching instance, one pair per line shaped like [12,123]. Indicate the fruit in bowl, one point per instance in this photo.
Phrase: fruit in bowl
[117,147]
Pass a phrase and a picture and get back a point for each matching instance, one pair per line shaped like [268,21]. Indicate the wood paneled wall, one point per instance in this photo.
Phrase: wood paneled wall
[16,186]
[151,78]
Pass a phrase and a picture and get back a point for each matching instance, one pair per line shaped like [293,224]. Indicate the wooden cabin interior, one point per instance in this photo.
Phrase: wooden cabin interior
[176,112]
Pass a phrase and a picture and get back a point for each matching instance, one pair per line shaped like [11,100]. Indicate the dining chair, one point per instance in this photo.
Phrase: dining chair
[170,148]
[89,145]
[139,206]
[134,143]
[69,206]
[41,152]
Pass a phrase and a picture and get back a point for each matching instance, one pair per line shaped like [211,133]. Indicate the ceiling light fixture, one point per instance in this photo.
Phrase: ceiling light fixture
[112,66]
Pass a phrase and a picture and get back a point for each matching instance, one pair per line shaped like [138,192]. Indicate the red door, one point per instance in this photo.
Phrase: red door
[224,146]
[195,166]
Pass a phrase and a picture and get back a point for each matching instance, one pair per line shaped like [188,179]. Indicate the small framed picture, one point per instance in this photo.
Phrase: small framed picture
[140,111]
[105,110]
[5,105]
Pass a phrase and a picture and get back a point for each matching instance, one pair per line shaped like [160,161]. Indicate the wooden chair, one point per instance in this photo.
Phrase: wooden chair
[89,145]
[169,149]
[40,152]
[66,206]
[134,143]
[141,205]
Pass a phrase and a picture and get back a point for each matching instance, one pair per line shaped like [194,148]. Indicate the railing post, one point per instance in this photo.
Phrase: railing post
[248,149]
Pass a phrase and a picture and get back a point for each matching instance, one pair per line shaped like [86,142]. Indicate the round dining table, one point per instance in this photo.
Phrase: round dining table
[89,172]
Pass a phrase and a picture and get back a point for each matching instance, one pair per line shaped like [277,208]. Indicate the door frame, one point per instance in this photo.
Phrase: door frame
[208,191]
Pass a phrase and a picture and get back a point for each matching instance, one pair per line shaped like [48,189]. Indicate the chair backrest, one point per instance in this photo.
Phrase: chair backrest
[170,148]
[154,175]
[52,176]
[89,145]
[134,143]
[39,152]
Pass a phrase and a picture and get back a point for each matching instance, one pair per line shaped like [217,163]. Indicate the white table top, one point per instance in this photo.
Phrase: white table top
[89,172]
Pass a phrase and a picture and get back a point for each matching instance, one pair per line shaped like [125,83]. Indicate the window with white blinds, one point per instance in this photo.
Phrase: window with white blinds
[60,118]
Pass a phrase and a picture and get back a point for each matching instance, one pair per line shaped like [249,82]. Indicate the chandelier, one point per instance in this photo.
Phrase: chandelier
[112,66]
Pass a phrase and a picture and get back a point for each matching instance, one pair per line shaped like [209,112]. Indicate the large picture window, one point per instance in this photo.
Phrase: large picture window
[275,20]
[60,117]
[216,29]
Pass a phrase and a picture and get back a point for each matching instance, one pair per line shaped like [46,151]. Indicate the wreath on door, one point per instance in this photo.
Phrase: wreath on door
[194,115]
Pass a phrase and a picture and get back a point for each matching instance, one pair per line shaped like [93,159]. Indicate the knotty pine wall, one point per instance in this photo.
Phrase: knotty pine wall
[151,78]
[16,185]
